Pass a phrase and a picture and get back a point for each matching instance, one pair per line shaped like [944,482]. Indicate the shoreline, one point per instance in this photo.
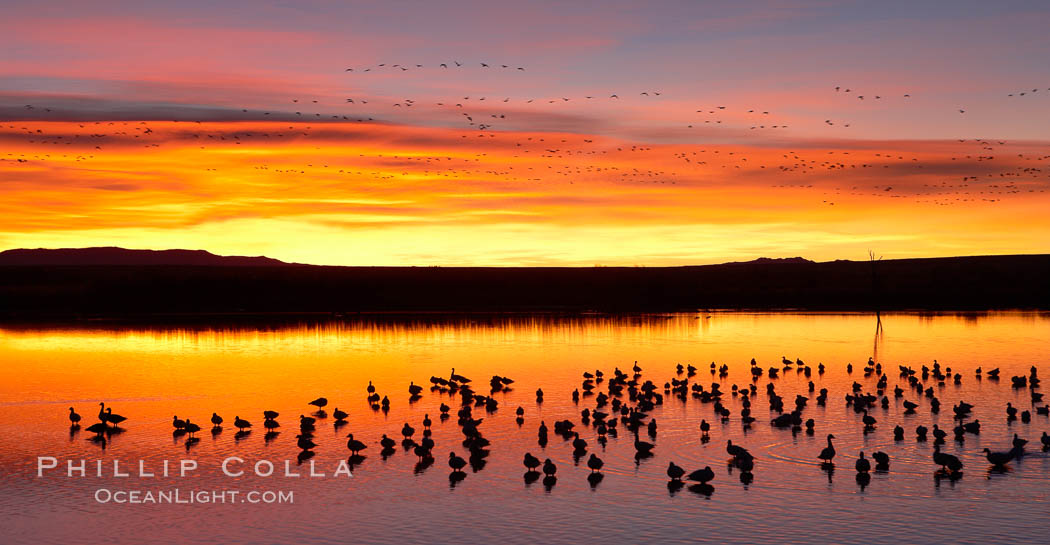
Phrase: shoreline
[276,320]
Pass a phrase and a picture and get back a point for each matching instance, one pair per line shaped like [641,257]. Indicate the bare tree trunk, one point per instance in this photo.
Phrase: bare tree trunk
[875,301]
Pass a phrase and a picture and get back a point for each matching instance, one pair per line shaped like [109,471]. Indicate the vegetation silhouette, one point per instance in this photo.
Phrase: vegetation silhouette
[45,292]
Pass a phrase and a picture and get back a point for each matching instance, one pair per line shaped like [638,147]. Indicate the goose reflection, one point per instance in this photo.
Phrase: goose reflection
[355,460]
[549,481]
[454,478]
[422,465]
[477,462]
[863,480]
[828,469]
[702,489]
[531,477]
[99,429]
[594,479]
[746,477]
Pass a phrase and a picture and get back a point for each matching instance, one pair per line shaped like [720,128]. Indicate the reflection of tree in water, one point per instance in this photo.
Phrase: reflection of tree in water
[878,338]
[875,300]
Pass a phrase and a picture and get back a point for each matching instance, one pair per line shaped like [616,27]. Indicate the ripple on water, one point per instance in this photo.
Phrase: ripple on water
[148,375]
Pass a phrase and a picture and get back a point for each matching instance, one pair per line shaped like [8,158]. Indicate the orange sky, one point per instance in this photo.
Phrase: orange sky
[269,157]
[348,194]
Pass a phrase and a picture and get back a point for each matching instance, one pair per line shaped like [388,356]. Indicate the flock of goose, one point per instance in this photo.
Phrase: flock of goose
[625,400]
[994,172]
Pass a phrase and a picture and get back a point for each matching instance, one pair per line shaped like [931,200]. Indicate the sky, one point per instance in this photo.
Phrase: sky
[527,133]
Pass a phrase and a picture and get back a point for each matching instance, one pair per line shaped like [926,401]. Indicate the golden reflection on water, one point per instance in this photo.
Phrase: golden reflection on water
[150,373]
[111,361]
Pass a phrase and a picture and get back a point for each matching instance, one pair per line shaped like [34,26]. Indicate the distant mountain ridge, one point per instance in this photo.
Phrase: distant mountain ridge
[63,284]
[111,255]
[771,261]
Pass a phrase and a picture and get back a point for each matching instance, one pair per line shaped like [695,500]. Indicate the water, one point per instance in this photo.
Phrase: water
[151,373]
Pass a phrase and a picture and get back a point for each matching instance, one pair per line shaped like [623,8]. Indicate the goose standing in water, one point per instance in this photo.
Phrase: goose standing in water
[549,469]
[642,448]
[74,418]
[702,475]
[828,453]
[579,445]
[530,462]
[1045,439]
[191,428]
[863,465]
[114,418]
[456,463]
[354,445]
[947,462]
[177,424]
[595,463]
[736,451]
[457,378]
[241,423]
[319,402]
[216,420]
[675,471]
[998,459]
[882,460]
[340,416]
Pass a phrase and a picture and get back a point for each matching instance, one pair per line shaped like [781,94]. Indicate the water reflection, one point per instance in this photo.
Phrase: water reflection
[372,375]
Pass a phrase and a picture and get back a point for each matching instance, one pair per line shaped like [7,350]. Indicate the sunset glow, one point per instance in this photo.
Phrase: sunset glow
[231,129]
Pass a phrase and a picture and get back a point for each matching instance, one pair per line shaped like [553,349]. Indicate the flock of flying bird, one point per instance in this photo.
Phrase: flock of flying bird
[625,400]
[560,158]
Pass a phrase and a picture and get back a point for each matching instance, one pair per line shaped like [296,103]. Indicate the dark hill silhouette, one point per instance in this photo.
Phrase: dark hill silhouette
[110,255]
[45,292]
[771,260]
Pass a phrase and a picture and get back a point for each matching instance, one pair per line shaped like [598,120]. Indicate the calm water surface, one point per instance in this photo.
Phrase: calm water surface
[150,374]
